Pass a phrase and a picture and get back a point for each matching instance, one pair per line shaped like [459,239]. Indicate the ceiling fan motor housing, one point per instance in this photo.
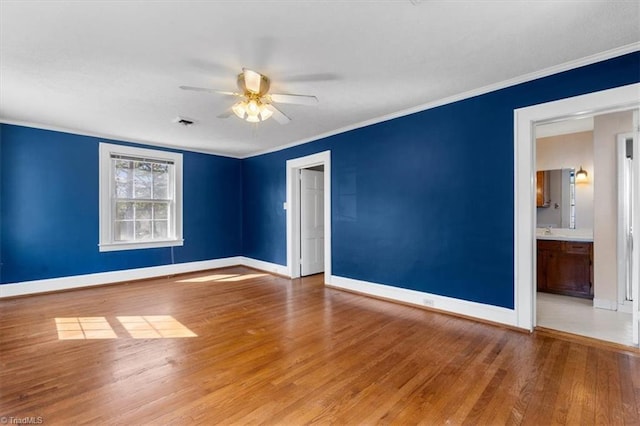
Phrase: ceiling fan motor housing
[255,103]
[264,85]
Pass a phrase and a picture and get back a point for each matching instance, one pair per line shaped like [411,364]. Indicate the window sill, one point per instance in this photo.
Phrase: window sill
[140,245]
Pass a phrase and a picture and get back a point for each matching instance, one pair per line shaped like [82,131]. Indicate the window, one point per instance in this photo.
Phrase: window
[140,198]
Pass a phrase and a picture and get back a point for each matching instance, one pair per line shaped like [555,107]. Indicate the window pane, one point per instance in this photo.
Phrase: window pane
[142,180]
[123,231]
[143,229]
[123,173]
[160,181]
[143,210]
[160,229]
[160,210]
[124,210]
[138,191]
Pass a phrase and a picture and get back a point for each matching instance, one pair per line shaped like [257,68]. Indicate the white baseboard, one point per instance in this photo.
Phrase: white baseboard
[457,306]
[264,266]
[448,304]
[610,305]
[626,307]
[88,280]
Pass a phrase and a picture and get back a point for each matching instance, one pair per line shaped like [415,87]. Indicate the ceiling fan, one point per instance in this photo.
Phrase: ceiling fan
[256,103]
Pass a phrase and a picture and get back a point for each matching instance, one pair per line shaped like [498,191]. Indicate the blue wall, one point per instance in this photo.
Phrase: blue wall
[1,179]
[425,201]
[49,208]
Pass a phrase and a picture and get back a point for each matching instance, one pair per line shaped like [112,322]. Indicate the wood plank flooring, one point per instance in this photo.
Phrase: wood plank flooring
[270,350]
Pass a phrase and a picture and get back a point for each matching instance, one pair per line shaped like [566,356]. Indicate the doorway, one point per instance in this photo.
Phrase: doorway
[607,101]
[311,218]
[308,210]
[577,287]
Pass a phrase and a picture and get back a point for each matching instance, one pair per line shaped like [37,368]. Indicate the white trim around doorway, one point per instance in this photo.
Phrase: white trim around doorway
[292,203]
[616,99]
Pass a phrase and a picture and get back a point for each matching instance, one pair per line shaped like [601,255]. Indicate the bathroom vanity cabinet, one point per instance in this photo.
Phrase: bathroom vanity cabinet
[565,267]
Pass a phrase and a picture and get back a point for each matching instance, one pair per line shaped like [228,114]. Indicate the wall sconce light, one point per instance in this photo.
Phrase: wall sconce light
[582,176]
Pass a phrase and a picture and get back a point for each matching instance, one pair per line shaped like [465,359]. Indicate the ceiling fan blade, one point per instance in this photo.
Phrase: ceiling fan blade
[278,115]
[294,99]
[204,89]
[228,113]
[252,80]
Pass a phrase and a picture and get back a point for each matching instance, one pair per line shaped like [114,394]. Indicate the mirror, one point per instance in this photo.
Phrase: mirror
[556,198]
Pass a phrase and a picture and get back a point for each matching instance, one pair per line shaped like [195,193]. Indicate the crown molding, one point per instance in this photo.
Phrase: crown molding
[112,138]
[588,60]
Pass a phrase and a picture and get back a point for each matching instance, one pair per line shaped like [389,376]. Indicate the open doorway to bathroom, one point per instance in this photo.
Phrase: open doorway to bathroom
[583,234]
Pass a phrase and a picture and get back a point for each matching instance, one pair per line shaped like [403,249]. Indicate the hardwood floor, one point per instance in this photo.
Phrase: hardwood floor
[276,351]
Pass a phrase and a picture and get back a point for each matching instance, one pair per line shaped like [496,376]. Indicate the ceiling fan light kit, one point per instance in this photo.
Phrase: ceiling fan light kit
[255,104]
[253,110]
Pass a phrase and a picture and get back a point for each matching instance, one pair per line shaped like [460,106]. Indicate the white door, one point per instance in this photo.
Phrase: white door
[635,224]
[625,214]
[311,222]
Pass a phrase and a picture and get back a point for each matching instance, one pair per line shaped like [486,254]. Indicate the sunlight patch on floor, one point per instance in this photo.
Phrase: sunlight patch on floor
[223,278]
[137,327]
[154,327]
[214,277]
[244,277]
[82,328]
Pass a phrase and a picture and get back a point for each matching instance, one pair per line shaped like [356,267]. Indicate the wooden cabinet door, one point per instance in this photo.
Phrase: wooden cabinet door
[565,267]
[568,273]
[541,269]
[540,195]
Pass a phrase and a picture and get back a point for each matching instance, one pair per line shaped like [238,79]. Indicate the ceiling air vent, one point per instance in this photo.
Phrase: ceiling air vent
[184,121]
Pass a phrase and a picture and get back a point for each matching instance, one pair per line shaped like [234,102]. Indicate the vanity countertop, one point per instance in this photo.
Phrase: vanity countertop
[565,234]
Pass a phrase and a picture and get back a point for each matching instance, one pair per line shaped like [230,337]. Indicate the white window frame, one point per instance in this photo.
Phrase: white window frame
[107,242]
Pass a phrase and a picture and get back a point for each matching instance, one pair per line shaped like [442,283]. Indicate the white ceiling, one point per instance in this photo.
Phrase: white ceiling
[112,68]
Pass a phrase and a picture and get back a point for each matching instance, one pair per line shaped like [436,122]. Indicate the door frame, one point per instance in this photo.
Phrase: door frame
[292,205]
[525,119]
[623,219]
